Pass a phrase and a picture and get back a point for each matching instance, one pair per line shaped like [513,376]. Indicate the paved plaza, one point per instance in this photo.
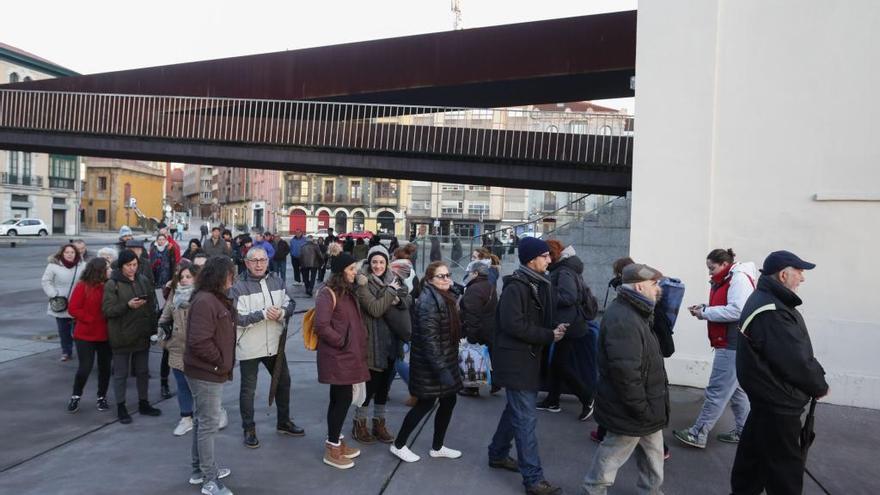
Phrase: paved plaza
[47,451]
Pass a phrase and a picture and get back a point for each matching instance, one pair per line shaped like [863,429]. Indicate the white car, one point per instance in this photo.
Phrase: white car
[24,226]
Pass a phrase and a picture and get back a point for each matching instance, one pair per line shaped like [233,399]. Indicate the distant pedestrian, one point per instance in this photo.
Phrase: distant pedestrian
[342,353]
[262,310]
[434,373]
[310,260]
[322,270]
[360,250]
[494,263]
[333,250]
[380,294]
[195,247]
[393,245]
[262,240]
[348,245]
[82,249]
[633,399]
[296,244]
[478,305]
[576,306]
[456,253]
[436,254]
[162,261]
[181,228]
[208,361]
[125,235]
[731,285]
[130,308]
[203,230]
[62,272]
[110,254]
[525,326]
[514,243]
[90,333]
[777,369]
[216,245]
[282,251]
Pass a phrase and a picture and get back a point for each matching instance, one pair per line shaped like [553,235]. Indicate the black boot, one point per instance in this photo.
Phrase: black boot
[145,409]
[165,391]
[122,413]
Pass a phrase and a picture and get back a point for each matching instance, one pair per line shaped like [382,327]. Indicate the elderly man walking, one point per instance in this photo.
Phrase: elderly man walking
[776,367]
[262,307]
[525,327]
[633,399]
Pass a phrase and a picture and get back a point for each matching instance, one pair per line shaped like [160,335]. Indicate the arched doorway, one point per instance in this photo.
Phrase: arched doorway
[357,223]
[341,222]
[323,220]
[385,220]
[297,220]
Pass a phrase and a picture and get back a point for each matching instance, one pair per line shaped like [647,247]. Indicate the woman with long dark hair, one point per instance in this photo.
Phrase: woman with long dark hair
[90,333]
[60,275]
[342,353]
[434,374]
[208,358]
[195,247]
[162,261]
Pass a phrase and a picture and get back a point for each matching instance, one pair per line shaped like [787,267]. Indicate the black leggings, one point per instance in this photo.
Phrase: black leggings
[86,351]
[379,385]
[561,369]
[340,401]
[164,369]
[419,411]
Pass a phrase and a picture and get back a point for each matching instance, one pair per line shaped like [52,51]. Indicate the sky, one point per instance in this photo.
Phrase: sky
[95,36]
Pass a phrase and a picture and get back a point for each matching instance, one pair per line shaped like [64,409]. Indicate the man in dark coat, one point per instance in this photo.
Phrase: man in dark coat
[776,367]
[524,327]
[310,259]
[633,397]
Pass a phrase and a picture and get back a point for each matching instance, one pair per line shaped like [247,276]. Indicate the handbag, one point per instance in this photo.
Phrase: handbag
[358,393]
[474,364]
[58,304]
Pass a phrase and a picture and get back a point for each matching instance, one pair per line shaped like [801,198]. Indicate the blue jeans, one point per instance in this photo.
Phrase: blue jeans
[518,422]
[723,388]
[184,395]
[65,333]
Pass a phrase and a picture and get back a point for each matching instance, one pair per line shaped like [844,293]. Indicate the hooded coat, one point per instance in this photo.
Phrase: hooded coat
[433,360]
[129,329]
[569,289]
[376,299]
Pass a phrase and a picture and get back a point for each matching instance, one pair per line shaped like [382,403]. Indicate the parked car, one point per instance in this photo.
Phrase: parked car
[24,226]
[366,235]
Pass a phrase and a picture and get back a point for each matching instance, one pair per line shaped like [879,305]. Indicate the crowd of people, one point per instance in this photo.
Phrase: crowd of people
[225,299]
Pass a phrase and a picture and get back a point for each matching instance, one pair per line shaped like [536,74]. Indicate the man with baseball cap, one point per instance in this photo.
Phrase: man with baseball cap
[524,327]
[632,398]
[776,367]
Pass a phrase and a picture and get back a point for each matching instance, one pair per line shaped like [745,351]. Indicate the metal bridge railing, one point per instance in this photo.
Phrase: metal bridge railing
[483,134]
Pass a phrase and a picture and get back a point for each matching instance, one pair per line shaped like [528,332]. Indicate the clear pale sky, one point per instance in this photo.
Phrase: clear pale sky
[103,35]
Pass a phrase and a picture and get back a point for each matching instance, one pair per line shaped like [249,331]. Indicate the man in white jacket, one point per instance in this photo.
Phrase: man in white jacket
[263,307]
[732,284]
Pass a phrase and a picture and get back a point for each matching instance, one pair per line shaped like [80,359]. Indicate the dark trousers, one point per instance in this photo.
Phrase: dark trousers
[164,369]
[322,270]
[419,411]
[87,351]
[379,385]
[294,262]
[337,410]
[308,278]
[123,362]
[562,370]
[768,456]
[65,334]
[249,369]
[281,268]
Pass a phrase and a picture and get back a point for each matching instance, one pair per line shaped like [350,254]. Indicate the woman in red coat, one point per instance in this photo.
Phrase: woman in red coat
[90,332]
[342,353]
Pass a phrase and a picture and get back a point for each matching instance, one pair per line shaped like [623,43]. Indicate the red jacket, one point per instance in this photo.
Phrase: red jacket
[85,308]
[342,340]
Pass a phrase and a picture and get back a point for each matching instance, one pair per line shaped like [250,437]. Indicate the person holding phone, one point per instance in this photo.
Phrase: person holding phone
[525,326]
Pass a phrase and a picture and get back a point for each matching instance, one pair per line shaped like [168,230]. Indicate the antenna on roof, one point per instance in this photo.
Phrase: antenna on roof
[456,13]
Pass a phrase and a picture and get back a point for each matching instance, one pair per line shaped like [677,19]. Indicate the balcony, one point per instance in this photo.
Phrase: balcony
[297,199]
[18,180]
[339,199]
[62,183]
[385,201]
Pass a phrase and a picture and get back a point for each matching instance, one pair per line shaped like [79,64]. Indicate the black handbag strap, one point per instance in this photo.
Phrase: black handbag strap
[72,281]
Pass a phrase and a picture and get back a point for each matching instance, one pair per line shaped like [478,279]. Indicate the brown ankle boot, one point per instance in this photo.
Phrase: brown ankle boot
[333,456]
[349,452]
[381,432]
[361,433]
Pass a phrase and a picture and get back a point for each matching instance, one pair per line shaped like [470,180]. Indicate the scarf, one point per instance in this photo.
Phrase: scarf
[69,264]
[159,248]
[182,295]
[640,302]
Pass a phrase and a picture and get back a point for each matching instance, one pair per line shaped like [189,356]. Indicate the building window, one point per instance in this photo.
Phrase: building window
[549,201]
[578,126]
[102,216]
[478,188]
[605,130]
[58,201]
[478,208]
[27,78]
[355,190]
[20,198]
[450,187]
[13,78]
[26,161]
[13,165]
[451,207]
[102,183]
[386,189]
[62,172]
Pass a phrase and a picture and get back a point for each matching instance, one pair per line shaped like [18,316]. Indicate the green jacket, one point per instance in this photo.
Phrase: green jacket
[129,329]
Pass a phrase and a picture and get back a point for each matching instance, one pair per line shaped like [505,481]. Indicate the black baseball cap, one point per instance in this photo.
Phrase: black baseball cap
[779,260]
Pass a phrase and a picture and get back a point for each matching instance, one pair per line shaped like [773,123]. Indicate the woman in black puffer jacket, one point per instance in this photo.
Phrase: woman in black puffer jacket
[433,363]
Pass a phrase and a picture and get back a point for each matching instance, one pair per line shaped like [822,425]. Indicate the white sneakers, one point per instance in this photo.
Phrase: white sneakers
[184,426]
[407,455]
[404,454]
[445,452]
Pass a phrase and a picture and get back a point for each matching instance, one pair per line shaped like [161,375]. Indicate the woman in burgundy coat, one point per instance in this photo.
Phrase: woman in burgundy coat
[342,353]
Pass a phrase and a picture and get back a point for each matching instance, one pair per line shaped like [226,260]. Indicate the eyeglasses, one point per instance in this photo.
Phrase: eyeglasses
[259,260]
[442,276]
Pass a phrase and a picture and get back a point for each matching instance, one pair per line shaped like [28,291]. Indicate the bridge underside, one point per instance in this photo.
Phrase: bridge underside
[615,180]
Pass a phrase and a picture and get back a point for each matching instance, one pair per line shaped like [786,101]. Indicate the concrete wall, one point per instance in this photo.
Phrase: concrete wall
[746,111]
